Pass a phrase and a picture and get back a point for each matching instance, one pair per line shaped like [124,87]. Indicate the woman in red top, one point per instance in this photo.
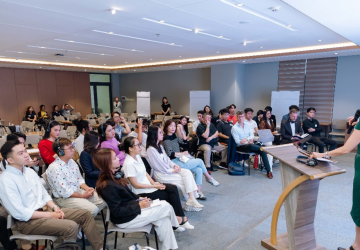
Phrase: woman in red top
[45,145]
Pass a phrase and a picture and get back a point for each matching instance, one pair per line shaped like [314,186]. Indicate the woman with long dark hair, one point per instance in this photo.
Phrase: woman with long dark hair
[30,114]
[55,112]
[182,132]
[165,107]
[127,209]
[143,185]
[208,110]
[82,126]
[165,171]
[43,115]
[91,144]
[52,132]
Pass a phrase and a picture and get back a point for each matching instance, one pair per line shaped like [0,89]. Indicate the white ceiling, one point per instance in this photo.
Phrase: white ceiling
[36,27]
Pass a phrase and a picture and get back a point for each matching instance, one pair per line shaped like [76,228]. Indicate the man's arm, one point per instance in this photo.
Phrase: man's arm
[283,132]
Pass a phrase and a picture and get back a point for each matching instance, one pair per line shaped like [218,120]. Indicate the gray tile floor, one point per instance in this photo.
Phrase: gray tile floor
[237,214]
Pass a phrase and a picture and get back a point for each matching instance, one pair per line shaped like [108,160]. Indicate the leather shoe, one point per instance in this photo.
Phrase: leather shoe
[269,175]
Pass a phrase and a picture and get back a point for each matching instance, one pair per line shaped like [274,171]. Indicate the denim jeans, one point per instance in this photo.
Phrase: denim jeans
[196,166]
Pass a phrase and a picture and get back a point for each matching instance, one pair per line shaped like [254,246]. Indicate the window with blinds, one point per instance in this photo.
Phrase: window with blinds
[320,87]
[292,78]
[315,79]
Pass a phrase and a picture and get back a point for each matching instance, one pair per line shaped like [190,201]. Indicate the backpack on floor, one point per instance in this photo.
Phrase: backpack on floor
[68,246]
[235,169]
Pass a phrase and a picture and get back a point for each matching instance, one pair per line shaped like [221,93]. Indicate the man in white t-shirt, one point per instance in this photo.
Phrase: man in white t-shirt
[196,123]
[249,121]
[139,133]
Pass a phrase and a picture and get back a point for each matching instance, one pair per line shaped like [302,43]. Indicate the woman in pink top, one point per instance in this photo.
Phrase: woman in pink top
[108,140]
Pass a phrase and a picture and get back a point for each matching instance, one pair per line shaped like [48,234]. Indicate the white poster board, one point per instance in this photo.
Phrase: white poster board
[280,102]
[198,100]
[143,103]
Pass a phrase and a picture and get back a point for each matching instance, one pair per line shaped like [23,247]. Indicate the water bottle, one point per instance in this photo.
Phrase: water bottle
[68,134]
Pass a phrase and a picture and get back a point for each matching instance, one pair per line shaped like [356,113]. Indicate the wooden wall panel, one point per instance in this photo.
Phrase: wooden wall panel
[82,93]
[65,94]
[46,88]
[25,76]
[64,78]
[8,99]
[26,96]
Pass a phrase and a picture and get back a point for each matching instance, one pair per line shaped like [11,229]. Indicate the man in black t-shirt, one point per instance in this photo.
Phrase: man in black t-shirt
[224,126]
[312,127]
[207,135]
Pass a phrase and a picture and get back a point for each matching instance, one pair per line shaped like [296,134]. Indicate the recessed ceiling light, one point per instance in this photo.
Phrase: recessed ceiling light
[243,61]
[137,38]
[98,45]
[161,21]
[244,22]
[104,64]
[217,52]
[244,43]
[179,56]
[150,59]
[240,4]
[319,40]
[180,66]
[125,62]
[85,69]
[336,53]
[183,28]
[134,69]
[70,50]
[113,11]
[261,47]
[20,52]
[110,33]
[40,67]
[258,14]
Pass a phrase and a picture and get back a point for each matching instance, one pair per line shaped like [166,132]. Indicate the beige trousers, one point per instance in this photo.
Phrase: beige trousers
[206,148]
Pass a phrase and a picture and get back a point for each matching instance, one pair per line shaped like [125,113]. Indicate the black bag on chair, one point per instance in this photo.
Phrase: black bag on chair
[235,169]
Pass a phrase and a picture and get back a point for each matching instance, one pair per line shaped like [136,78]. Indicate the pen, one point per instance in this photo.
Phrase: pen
[140,199]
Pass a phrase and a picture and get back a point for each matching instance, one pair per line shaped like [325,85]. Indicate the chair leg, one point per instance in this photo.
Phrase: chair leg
[249,164]
[45,243]
[51,244]
[156,240]
[105,235]
[147,239]
[103,217]
[83,239]
[123,235]
[115,243]
[37,245]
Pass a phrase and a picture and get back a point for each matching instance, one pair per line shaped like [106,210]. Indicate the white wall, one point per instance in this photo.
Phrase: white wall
[347,87]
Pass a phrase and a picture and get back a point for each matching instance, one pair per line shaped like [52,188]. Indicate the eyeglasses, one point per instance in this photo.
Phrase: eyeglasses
[137,145]
[116,117]
[70,148]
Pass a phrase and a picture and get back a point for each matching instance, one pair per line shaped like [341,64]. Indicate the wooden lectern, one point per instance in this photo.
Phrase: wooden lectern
[300,190]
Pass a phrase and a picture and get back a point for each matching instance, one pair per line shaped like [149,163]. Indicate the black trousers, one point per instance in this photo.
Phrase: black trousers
[321,142]
[256,149]
[169,194]
[4,235]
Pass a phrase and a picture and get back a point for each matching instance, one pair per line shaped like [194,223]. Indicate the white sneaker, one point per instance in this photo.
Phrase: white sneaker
[187,225]
[192,209]
[213,182]
[245,164]
[201,196]
[179,229]
[194,203]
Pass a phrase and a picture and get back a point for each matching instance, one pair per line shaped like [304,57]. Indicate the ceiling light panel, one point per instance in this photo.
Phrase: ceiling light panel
[68,50]
[97,45]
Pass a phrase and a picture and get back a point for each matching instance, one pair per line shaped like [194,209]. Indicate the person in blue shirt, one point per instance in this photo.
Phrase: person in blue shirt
[120,130]
[244,139]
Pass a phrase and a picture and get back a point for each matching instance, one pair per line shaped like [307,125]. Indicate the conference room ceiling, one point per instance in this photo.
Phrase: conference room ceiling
[141,34]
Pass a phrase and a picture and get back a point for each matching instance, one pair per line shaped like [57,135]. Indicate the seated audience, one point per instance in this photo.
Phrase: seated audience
[107,139]
[66,110]
[91,144]
[224,127]
[208,110]
[215,120]
[232,116]
[139,133]
[55,112]
[244,139]
[66,183]
[267,123]
[195,124]
[182,132]
[252,124]
[52,132]
[43,115]
[273,117]
[128,210]
[291,128]
[143,185]
[312,126]
[207,135]
[33,208]
[165,171]
[287,116]
[259,116]
[34,164]
[172,148]
[30,114]
[120,130]
[82,126]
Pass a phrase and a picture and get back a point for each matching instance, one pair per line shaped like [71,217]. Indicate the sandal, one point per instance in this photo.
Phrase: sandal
[186,224]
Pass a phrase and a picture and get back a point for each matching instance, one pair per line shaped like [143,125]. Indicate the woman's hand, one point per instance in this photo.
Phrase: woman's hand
[275,132]
[144,203]
[177,169]
[316,155]
[159,186]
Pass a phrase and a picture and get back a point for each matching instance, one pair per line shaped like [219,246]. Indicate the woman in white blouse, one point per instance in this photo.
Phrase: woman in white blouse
[165,171]
[143,185]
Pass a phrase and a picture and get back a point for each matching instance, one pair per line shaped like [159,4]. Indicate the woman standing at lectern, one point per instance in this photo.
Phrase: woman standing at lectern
[351,143]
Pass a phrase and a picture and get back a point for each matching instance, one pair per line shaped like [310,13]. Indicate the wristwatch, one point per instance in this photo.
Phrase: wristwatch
[53,209]
[327,156]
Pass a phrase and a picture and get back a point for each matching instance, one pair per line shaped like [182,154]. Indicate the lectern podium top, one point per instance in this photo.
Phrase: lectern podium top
[287,154]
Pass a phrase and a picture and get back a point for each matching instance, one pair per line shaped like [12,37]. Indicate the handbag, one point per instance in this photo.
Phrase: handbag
[235,169]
